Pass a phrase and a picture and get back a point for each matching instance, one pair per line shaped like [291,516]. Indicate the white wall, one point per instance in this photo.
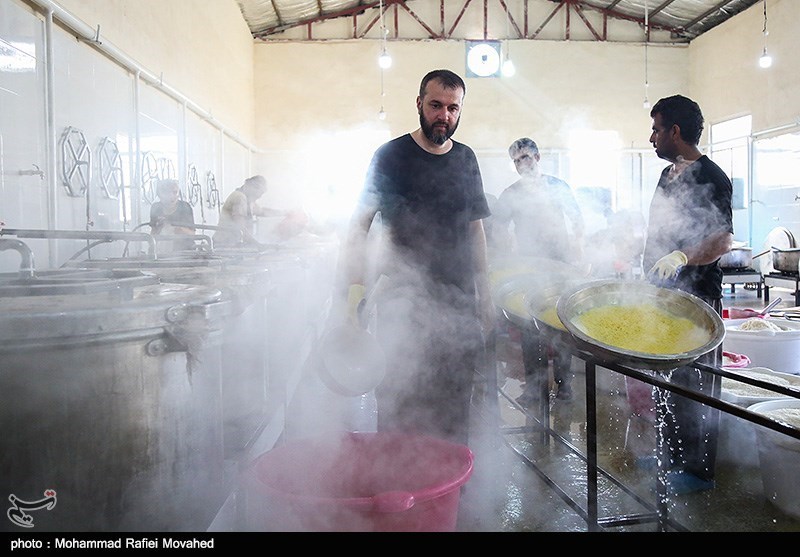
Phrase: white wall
[312,107]
[334,90]
[102,94]
[202,48]
[723,71]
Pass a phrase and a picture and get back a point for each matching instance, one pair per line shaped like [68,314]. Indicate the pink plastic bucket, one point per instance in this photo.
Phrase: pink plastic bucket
[640,398]
[358,482]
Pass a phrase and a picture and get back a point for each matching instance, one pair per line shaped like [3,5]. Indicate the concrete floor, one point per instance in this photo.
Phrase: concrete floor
[549,493]
[507,495]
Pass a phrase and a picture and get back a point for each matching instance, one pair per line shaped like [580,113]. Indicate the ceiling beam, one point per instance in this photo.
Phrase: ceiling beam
[579,7]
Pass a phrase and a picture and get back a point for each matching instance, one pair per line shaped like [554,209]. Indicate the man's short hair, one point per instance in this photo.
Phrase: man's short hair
[450,80]
[523,144]
[684,112]
[258,182]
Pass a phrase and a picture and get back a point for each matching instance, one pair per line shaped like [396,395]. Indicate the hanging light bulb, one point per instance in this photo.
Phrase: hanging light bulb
[384,60]
[646,103]
[765,61]
[508,68]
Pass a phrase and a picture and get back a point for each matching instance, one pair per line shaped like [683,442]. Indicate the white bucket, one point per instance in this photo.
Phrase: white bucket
[779,456]
[737,438]
[776,350]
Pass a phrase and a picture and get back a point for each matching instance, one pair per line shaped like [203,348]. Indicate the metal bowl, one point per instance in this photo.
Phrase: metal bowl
[543,305]
[510,295]
[576,301]
[523,285]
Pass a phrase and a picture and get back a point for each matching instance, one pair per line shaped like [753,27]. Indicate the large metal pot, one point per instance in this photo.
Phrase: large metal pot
[787,260]
[246,402]
[113,401]
[737,258]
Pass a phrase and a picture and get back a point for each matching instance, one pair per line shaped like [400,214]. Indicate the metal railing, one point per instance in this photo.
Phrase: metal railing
[538,421]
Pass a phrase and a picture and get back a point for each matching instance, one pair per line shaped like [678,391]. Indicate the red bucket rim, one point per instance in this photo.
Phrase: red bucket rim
[420,495]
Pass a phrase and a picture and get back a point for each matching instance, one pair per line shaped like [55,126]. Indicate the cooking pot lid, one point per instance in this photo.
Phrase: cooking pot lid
[76,282]
[147,263]
[70,318]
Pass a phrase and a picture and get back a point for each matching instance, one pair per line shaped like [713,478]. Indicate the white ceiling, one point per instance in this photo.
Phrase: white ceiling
[683,19]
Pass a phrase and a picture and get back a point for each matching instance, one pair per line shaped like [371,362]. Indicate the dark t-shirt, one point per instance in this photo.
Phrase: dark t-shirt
[684,211]
[540,210]
[426,203]
[427,319]
[182,216]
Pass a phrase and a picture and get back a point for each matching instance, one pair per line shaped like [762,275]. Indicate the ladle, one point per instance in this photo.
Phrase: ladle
[352,360]
[747,313]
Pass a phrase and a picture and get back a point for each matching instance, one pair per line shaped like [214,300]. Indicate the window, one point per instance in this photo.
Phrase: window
[729,149]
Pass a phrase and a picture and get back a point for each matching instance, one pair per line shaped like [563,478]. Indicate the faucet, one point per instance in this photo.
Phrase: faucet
[26,264]
[37,172]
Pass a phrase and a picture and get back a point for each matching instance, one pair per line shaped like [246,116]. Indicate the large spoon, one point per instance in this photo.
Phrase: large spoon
[737,313]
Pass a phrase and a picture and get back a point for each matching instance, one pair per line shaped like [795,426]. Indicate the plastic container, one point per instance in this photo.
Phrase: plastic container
[776,350]
[358,482]
[779,456]
[737,438]
[738,393]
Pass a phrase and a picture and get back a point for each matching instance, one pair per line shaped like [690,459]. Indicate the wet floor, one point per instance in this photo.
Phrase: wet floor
[526,481]
[524,484]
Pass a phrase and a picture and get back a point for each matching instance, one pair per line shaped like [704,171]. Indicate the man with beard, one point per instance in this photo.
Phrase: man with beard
[427,194]
[690,227]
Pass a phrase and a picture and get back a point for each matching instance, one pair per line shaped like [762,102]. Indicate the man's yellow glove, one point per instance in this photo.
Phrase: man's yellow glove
[669,265]
[355,303]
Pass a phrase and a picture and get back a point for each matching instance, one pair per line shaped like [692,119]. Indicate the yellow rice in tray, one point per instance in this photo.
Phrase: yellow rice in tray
[642,328]
[550,316]
[515,303]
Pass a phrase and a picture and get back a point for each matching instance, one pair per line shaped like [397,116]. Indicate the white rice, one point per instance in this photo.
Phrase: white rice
[743,389]
[789,416]
[759,324]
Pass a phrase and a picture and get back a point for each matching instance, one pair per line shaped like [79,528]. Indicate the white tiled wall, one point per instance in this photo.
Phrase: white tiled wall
[22,104]
[98,100]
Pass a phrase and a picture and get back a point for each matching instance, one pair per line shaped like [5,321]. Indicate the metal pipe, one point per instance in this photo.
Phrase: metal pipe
[776,129]
[202,226]
[26,268]
[235,231]
[51,141]
[136,171]
[200,238]
[105,235]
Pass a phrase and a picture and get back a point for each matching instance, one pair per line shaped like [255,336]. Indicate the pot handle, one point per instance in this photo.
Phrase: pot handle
[765,252]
